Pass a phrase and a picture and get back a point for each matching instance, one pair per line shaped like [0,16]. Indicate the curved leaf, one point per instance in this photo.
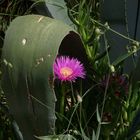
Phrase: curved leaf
[58,10]
[31,44]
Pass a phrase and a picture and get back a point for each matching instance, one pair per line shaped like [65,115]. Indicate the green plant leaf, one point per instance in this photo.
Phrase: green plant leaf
[105,122]
[98,114]
[122,58]
[58,10]
[136,75]
[56,137]
[31,45]
[83,134]
[93,135]
[125,56]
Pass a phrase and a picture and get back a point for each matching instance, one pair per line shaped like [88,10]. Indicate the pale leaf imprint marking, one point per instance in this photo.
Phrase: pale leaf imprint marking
[39,61]
[49,55]
[40,19]
[24,41]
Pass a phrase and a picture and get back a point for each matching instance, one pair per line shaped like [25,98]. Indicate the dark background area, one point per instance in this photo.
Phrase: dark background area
[124,17]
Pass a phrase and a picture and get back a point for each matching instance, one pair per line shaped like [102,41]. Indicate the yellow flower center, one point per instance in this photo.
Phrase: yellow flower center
[66,71]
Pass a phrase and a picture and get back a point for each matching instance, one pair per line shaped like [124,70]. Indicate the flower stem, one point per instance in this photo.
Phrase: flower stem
[113,31]
[62,104]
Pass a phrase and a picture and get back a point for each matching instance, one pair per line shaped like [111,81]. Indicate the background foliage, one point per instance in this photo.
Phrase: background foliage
[103,106]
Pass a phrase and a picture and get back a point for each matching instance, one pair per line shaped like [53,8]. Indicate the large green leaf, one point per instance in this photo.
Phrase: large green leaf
[58,10]
[31,44]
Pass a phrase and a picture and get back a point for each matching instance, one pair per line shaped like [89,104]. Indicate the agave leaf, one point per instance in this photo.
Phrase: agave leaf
[58,10]
[31,45]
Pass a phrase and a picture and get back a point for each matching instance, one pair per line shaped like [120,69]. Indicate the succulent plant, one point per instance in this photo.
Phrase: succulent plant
[31,45]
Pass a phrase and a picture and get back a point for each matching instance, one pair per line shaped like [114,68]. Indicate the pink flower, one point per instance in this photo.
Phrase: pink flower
[68,69]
